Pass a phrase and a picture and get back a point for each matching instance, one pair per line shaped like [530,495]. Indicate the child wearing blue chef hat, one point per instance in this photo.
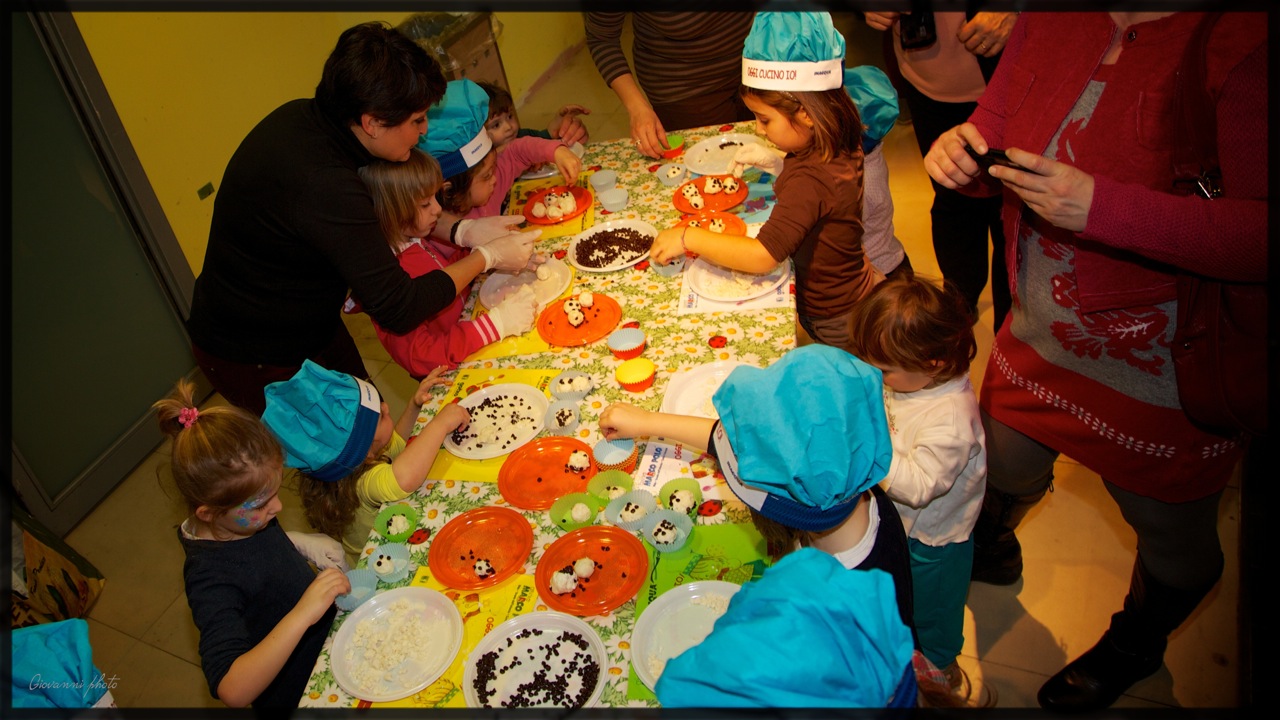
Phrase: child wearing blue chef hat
[337,430]
[477,176]
[809,633]
[803,444]
[792,81]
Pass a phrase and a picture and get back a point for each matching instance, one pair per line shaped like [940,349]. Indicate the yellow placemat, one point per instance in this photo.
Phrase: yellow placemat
[526,344]
[481,610]
[451,467]
[522,189]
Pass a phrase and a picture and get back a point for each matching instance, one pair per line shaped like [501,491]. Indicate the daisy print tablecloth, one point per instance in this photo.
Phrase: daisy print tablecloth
[675,343]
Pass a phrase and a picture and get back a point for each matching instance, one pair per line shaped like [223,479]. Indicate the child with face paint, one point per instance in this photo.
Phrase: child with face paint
[262,611]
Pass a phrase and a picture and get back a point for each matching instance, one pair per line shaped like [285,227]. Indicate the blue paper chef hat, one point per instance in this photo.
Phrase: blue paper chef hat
[53,667]
[808,633]
[793,51]
[800,440]
[324,419]
[875,98]
[455,128]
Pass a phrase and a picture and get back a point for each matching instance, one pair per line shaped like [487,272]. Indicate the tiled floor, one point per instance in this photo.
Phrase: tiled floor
[1078,550]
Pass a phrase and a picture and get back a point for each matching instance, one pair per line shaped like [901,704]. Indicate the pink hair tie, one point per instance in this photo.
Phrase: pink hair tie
[187,416]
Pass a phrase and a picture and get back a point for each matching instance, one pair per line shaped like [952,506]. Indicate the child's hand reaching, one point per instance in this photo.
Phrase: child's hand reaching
[756,155]
[623,420]
[568,164]
[433,379]
[567,127]
[452,417]
[319,595]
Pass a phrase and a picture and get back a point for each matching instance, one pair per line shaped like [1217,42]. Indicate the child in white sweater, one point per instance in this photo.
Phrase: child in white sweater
[921,338]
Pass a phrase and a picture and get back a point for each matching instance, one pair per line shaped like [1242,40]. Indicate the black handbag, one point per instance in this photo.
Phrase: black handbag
[1220,341]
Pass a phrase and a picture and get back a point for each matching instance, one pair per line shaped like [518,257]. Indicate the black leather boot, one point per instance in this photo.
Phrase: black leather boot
[997,555]
[1130,650]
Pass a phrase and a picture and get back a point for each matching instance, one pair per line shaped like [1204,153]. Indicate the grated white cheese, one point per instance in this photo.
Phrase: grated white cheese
[717,603]
[388,651]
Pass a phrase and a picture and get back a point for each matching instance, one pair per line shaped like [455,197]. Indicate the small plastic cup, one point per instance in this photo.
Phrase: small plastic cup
[626,343]
[562,510]
[602,180]
[636,374]
[614,200]
[676,143]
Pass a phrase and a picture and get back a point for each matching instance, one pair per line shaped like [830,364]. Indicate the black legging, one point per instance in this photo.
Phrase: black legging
[960,222]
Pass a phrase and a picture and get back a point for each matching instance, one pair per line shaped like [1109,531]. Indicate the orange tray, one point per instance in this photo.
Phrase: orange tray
[622,567]
[601,318]
[500,535]
[534,476]
[581,198]
[717,201]
[733,225]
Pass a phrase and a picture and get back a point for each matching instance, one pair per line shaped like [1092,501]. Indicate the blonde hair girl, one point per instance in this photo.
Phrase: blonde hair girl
[261,610]
[404,199]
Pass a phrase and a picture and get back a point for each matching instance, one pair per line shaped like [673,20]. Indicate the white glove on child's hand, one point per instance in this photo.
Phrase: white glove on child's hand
[323,551]
[515,315]
[509,253]
[756,155]
[475,232]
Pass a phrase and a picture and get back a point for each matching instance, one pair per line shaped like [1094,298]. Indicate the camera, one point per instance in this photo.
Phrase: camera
[917,29]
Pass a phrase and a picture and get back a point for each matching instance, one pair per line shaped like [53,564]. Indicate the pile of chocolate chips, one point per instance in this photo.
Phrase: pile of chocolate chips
[611,246]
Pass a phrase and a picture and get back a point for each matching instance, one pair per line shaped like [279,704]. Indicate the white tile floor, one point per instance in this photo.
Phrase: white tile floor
[1079,551]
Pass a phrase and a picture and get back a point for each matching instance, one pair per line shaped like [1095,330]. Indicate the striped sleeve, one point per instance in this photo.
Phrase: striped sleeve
[604,39]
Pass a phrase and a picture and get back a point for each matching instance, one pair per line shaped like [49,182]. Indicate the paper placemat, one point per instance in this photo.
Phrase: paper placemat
[451,467]
[522,189]
[730,552]
[481,610]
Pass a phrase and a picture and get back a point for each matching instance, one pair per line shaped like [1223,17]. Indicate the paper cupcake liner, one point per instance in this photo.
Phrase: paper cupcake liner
[684,528]
[554,409]
[382,523]
[681,483]
[643,498]
[395,553]
[561,509]
[364,585]
[574,395]
[604,479]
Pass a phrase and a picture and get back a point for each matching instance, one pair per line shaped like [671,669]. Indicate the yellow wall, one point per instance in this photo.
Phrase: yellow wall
[188,86]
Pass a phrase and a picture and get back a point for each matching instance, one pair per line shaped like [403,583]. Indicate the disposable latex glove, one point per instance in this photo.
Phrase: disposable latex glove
[515,315]
[323,551]
[511,253]
[756,155]
[474,232]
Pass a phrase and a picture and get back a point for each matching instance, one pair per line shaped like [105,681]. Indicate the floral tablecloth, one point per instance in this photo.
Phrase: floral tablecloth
[676,343]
